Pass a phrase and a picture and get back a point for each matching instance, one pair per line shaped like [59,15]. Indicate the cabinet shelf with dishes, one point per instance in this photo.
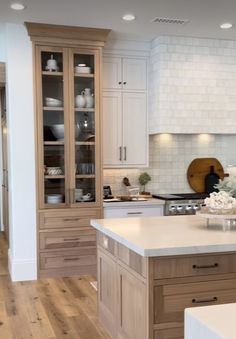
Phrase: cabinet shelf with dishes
[69,170]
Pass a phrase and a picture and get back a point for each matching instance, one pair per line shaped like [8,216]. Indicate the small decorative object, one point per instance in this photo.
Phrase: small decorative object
[89,99]
[227,185]
[80,101]
[51,64]
[220,203]
[144,178]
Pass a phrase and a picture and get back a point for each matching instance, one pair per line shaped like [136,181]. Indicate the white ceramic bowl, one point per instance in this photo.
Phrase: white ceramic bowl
[51,102]
[54,198]
[82,69]
[58,131]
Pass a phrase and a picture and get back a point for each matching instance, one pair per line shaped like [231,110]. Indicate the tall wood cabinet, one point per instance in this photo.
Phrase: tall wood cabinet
[68,127]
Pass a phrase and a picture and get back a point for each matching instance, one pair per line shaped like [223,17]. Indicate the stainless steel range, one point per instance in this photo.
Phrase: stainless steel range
[183,203]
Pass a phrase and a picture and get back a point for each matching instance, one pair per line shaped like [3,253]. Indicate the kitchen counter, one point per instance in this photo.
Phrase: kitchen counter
[151,269]
[137,203]
[211,322]
[169,235]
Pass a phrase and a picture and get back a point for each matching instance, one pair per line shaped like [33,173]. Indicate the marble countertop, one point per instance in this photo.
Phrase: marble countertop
[142,203]
[167,235]
[210,322]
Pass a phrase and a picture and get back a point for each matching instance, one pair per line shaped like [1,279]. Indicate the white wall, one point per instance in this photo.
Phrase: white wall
[21,159]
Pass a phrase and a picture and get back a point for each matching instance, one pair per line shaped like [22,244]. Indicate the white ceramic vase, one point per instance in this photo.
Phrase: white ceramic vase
[89,98]
[80,101]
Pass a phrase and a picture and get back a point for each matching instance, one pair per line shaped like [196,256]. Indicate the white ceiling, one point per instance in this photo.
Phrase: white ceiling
[204,15]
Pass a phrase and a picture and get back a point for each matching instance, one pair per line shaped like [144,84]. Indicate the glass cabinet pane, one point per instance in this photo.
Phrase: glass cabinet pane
[53,127]
[84,127]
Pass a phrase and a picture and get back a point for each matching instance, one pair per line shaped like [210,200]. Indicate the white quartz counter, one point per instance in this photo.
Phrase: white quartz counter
[210,322]
[134,203]
[169,235]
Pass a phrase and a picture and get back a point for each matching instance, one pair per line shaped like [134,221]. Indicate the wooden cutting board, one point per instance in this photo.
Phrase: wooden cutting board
[199,168]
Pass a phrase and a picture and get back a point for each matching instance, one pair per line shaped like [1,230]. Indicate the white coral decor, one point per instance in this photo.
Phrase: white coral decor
[220,200]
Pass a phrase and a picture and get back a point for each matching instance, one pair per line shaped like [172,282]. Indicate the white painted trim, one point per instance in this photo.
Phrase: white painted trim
[22,270]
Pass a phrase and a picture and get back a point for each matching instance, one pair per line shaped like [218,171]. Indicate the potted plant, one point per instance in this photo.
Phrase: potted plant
[143,179]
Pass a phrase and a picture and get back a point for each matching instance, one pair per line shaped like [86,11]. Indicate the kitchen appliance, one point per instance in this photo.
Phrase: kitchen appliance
[182,203]
[107,192]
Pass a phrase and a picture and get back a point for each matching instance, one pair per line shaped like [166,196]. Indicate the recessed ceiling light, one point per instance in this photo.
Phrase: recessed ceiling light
[17,6]
[226,25]
[128,17]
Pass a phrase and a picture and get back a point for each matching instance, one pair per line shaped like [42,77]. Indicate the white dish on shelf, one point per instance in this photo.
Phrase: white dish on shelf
[52,68]
[58,131]
[54,171]
[54,198]
[82,69]
[52,102]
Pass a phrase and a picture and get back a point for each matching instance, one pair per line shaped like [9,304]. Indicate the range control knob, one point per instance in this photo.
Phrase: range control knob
[180,208]
[172,209]
[196,207]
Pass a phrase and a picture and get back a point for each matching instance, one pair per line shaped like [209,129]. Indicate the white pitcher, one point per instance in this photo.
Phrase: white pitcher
[80,101]
[89,99]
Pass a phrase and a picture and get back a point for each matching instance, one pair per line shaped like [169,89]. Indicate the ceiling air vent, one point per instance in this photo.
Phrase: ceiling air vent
[172,21]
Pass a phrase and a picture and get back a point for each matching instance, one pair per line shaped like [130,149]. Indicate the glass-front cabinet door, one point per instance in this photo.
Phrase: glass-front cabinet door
[84,78]
[53,137]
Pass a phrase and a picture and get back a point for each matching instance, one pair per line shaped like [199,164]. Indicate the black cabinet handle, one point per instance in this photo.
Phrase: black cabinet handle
[119,82]
[205,266]
[209,300]
[124,83]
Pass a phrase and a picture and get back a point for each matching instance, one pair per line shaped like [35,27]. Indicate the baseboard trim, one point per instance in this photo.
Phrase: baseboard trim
[22,270]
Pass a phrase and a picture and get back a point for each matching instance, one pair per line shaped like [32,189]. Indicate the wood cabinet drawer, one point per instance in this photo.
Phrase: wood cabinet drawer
[171,300]
[71,239]
[135,261]
[106,243]
[80,257]
[169,333]
[194,266]
[70,218]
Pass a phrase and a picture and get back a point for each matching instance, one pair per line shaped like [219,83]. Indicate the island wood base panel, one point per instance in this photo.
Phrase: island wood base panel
[145,298]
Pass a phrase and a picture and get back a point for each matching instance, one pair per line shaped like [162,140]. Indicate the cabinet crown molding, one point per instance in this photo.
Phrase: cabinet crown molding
[45,32]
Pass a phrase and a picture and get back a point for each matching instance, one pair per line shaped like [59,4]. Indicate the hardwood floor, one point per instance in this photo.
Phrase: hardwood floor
[48,308]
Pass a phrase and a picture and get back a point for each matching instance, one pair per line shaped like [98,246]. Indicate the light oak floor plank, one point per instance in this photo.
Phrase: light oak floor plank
[54,308]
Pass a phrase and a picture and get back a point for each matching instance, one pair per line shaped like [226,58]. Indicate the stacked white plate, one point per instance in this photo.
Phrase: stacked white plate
[52,102]
[82,68]
[54,198]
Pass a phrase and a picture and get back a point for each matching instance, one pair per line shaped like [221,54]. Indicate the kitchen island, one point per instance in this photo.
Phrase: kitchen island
[150,269]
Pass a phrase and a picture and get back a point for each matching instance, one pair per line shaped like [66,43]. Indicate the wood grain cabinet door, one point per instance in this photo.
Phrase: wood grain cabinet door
[132,309]
[107,296]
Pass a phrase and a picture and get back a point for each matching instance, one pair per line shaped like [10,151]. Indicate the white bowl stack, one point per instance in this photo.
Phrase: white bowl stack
[54,198]
[82,68]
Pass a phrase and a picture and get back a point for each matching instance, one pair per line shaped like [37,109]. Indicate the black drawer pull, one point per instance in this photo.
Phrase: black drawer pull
[72,219]
[119,82]
[71,239]
[71,259]
[205,266]
[195,301]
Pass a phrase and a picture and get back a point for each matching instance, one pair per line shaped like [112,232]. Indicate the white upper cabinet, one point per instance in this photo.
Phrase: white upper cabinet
[124,129]
[112,128]
[124,73]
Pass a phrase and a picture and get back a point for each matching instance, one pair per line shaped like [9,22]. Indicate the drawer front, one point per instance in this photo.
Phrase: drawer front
[170,333]
[133,212]
[81,257]
[106,243]
[171,300]
[194,266]
[71,239]
[70,218]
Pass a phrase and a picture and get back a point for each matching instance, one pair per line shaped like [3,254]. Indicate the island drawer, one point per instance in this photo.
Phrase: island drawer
[169,333]
[106,243]
[194,266]
[64,259]
[69,239]
[65,219]
[171,300]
